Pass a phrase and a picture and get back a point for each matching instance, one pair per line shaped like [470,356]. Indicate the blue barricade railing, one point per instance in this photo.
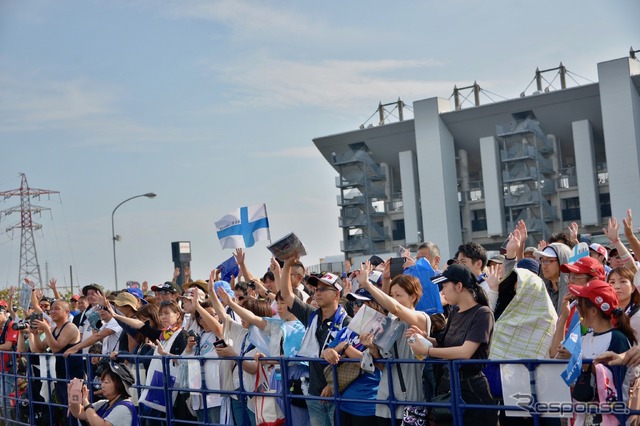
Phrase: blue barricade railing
[24,403]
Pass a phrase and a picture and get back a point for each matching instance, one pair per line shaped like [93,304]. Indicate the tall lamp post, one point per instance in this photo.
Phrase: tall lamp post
[115,237]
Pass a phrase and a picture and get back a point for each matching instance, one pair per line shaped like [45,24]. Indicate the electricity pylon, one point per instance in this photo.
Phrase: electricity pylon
[29,266]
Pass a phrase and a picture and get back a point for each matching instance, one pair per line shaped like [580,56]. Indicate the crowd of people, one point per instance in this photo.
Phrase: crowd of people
[108,357]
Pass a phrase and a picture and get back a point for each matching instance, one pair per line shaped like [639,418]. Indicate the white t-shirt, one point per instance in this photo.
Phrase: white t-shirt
[234,335]
[212,373]
[110,343]
[189,323]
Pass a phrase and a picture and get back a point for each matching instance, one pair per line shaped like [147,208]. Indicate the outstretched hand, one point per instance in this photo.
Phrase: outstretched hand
[239,256]
[224,296]
[38,293]
[573,231]
[628,223]
[275,267]
[512,245]
[492,277]
[612,230]
[521,227]
[363,275]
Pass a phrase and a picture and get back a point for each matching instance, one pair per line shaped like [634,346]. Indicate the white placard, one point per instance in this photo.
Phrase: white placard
[550,389]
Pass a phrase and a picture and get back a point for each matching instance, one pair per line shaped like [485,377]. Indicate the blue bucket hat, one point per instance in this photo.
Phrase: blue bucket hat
[226,286]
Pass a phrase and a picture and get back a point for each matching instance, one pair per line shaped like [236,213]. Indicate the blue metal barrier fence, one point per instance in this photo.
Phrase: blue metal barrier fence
[24,402]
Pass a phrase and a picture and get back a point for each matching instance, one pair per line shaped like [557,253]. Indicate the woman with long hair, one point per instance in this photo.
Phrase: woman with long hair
[203,344]
[168,339]
[621,279]
[278,337]
[404,293]
[236,345]
[466,336]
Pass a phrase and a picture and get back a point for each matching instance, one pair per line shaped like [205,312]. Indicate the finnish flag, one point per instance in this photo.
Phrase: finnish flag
[244,226]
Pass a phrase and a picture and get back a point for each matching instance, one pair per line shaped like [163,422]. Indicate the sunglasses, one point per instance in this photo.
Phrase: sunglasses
[163,292]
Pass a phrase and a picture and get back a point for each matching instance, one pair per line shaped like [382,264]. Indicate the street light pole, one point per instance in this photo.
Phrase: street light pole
[115,237]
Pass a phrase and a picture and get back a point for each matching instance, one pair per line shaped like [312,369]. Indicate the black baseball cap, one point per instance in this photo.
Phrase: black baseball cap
[457,274]
[167,286]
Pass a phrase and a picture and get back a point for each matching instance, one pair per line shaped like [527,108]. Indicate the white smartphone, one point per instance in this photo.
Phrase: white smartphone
[75,393]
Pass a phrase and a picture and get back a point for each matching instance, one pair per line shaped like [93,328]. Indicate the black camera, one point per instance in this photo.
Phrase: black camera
[19,326]
[35,317]
[195,335]
[252,284]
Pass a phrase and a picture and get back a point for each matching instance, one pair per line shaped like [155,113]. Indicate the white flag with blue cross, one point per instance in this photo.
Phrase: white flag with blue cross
[244,226]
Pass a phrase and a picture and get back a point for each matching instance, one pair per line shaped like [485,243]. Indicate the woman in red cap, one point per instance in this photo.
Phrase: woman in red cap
[609,330]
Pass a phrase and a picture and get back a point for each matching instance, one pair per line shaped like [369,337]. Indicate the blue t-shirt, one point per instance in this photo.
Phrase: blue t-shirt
[430,300]
[364,387]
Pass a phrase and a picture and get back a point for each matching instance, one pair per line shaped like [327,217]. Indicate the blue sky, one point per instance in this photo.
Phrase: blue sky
[213,105]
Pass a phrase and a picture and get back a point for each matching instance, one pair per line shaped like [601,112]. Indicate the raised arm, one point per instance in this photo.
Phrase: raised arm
[209,319]
[522,233]
[53,285]
[410,316]
[263,291]
[36,295]
[513,249]
[244,271]
[386,276]
[213,297]
[634,243]
[131,322]
[284,284]
[245,314]
[612,232]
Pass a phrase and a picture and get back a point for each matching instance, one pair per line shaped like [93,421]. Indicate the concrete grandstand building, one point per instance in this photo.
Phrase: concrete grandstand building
[451,175]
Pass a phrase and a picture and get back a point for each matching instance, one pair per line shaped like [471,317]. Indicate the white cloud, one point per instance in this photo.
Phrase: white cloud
[255,20]
[331,84]
[31,102]
[261,77]
[90,113]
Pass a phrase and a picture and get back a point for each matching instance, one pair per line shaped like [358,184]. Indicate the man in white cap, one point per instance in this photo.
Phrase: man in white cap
[322,326]
[551,257]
